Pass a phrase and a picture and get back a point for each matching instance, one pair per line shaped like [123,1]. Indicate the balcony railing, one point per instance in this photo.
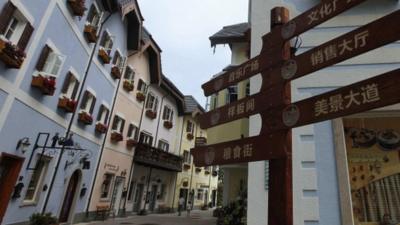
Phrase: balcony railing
[150,156]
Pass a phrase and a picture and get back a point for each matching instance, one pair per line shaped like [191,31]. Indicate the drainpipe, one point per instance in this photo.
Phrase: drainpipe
[191,176]
[180,148]
[68,131]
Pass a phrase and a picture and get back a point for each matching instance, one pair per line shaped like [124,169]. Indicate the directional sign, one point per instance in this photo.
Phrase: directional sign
[243,150]
[376,92]
[273,43]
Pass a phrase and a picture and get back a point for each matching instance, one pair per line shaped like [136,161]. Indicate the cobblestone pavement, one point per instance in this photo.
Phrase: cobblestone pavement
[197,217]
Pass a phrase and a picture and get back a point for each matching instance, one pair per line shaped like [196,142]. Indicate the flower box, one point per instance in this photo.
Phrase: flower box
[85,118]
[90,32]
[186,166]
[140,96]
[189,136]
[47,85]
[198,169]
[11,55]
[101,128]
[131,143]
[115,72]
[128,85]
[77,7]
[151,114]
[69,105]
[168,124]
[116,136]
[103,55]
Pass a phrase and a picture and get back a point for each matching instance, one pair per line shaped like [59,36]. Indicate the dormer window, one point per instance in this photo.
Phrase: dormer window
[106,45]
[92,23]
[118,64]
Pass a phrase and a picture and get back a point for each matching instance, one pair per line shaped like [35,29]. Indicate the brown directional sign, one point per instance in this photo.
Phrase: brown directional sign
[359,41]
[242,150]
[273,43]
[376,92]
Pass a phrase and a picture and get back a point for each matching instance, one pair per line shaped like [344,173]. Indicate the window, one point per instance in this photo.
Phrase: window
[106,42]
[50,62]
[103,114]
[186,157]
[35,185]
[131,189]
[14,27]
[106,186]
[214,101]
[145,139]
[152,102]
[231,94]
[248,88]
[163,145]
[118,124]
[141,86]
[189,127]
[133,132]
[129,73]
[70,87]
[168,114]
[200,194]
[118,60]
[88,102]
[94,16]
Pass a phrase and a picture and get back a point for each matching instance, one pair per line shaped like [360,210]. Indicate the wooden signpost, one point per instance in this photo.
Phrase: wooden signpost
[278,113]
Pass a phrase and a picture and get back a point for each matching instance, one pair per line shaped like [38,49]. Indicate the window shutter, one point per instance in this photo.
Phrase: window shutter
[43,57]
[100,113]
[26,35]
[5,16]
[93,104]
[76,87]
[90,14]
[67,81]
[84,100]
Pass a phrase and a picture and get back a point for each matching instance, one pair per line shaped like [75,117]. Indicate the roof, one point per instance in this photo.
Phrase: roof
[174,92]
[191,105]
[146,36]
[233,33]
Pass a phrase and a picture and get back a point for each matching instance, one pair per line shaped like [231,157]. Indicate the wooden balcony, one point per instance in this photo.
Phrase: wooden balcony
[157,158]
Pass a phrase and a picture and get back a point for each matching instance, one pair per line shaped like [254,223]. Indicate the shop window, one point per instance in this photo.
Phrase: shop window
[163,145]
[168,114]
[133,132]
[34,188]
[145,138]
[118,124]
[106,186]
[88,102]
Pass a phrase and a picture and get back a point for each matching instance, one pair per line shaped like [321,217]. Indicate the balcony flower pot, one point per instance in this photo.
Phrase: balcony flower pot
[186,166]
[151,114]
[198,170]
[115,72]
[90,32]
[101,128]
[103,55]
[77,7]
[189,136]
[168,124]
[69,105]
[47,85]
[11,55]
[116,136]
[130,143]
[128,85]
[140,96]
[85,118]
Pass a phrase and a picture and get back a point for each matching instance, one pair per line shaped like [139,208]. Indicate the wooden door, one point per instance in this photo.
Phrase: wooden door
[10,167]
[69,197]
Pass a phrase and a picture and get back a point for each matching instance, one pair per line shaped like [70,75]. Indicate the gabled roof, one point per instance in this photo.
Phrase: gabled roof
[191,105]
[131,12]
[231,34]
[154,52]
[174,92]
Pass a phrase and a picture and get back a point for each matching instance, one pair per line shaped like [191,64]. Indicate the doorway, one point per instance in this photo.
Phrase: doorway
[117,194]
[138,198]
[10,167]
[183,192]
[213,198]
[69,198]
[153,197]
[206,198]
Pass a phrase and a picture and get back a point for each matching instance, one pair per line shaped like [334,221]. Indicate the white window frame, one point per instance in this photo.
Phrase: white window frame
[107,42]
[119,128]
[39,183]
[187,157]
[99,15]
[214,101]
[103,114]
[89,102]
[120,60]
[146,137]
[71,86]
[143,87]
[53,50]
[18,30]
[162,144]
[153,99]
[170,114]
[228,94]
[135,129]
[131,77]
[192,127]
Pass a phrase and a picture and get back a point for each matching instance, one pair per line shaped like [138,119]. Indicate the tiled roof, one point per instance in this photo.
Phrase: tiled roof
[191,105]
[232,33]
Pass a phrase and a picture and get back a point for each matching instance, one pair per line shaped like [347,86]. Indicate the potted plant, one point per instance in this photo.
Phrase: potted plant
[90,32]
[151,114]
[69,105]
[43,219]
[115,72]
[189,136]
[104,56]
[85,118]
[116,136]
[128,85]
[168,124]
[10,54]
[46,84]
[77,7]
[101,127]
[131,143]
[140,96]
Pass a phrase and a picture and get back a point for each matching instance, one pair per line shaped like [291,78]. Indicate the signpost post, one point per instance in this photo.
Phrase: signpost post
[279,115]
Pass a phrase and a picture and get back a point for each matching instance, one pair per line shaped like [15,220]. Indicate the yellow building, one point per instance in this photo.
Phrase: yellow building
[234,176]
[196,184]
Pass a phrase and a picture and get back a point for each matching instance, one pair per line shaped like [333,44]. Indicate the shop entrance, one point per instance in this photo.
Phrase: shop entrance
[69,198]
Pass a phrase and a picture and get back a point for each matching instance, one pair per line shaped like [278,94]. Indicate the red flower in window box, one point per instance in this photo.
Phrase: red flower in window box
[189,136]
[69,105]
[101,128]
[151,114]
[11,55]
[168,124]
[103,54]
[115,72]
[85,118]
[131,143]
[90,32]
[116,136]
[128,85]
[77,6]
[140,96]
[47,85]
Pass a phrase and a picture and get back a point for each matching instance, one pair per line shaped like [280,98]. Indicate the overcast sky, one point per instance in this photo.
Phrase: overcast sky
[181,28]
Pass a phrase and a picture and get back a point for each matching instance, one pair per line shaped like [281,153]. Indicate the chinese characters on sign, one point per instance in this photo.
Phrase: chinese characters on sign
[346,45]
[238,152]
[325,10]
[241,108]
[335,103]
[241,71]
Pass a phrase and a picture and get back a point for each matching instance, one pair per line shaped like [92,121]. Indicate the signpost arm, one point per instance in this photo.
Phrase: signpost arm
[280,203]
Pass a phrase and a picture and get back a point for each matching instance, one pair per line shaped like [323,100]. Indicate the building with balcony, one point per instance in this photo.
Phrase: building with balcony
[196,184]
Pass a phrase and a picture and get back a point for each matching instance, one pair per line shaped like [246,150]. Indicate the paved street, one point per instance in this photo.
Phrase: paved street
[196,217]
